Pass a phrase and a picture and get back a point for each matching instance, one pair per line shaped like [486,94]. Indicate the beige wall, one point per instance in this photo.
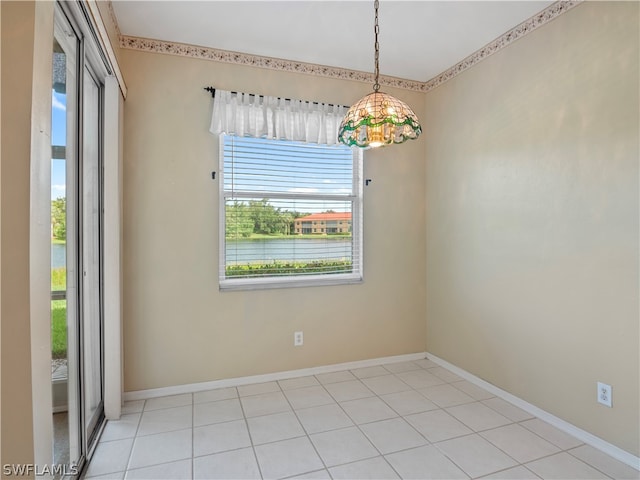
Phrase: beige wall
[532,219]
[18,20]
[178,327]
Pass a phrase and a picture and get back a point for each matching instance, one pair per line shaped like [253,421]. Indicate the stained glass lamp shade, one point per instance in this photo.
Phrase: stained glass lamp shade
[378,119]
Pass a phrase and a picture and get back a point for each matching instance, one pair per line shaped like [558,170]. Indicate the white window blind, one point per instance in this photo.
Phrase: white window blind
[290,213]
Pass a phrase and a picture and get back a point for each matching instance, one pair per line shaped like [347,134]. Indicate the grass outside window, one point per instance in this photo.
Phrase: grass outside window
[59,315]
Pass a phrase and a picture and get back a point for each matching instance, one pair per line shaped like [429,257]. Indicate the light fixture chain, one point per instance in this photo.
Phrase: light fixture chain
[376,30]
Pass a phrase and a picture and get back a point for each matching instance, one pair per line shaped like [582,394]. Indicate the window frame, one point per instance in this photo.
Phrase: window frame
[291,281]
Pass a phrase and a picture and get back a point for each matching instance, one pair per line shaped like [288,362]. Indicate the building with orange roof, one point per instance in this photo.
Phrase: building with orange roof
[323,223]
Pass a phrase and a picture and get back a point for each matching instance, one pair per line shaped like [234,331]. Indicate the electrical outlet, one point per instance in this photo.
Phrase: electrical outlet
[604,394]
[298,339]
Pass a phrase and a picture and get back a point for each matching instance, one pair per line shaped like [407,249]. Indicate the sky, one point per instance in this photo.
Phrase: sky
[312,178]
[58,137]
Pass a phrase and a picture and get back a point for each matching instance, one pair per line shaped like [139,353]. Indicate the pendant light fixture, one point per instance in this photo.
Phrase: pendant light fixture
[378,118]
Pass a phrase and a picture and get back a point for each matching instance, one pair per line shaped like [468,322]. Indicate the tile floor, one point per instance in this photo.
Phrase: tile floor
[401,420]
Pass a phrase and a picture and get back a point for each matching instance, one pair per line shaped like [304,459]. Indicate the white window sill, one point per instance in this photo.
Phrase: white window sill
[289,282]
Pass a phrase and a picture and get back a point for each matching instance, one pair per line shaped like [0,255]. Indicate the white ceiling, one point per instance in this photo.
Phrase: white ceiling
[418,39]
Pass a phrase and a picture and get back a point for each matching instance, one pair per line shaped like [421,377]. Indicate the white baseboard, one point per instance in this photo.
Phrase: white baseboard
[588,438]
[268,377]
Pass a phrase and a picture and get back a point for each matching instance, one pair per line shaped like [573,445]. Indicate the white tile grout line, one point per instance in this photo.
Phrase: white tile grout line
[313,445]
[356,425]
[246,425]
[193,434]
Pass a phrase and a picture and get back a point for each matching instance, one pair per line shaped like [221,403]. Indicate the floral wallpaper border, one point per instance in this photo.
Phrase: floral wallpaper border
[194,51]
[528,26]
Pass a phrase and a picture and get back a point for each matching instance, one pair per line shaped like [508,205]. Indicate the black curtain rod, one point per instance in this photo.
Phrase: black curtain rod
[212,91]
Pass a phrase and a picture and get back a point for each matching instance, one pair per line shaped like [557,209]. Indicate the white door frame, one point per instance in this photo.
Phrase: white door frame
[94,31]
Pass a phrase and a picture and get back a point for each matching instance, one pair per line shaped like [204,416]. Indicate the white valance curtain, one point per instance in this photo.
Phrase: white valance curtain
[272,117]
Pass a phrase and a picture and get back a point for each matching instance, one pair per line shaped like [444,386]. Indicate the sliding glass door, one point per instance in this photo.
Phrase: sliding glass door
[90,218]
[76,227]
[64,120]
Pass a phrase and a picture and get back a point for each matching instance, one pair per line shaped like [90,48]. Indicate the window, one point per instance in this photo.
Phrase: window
[279,207]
